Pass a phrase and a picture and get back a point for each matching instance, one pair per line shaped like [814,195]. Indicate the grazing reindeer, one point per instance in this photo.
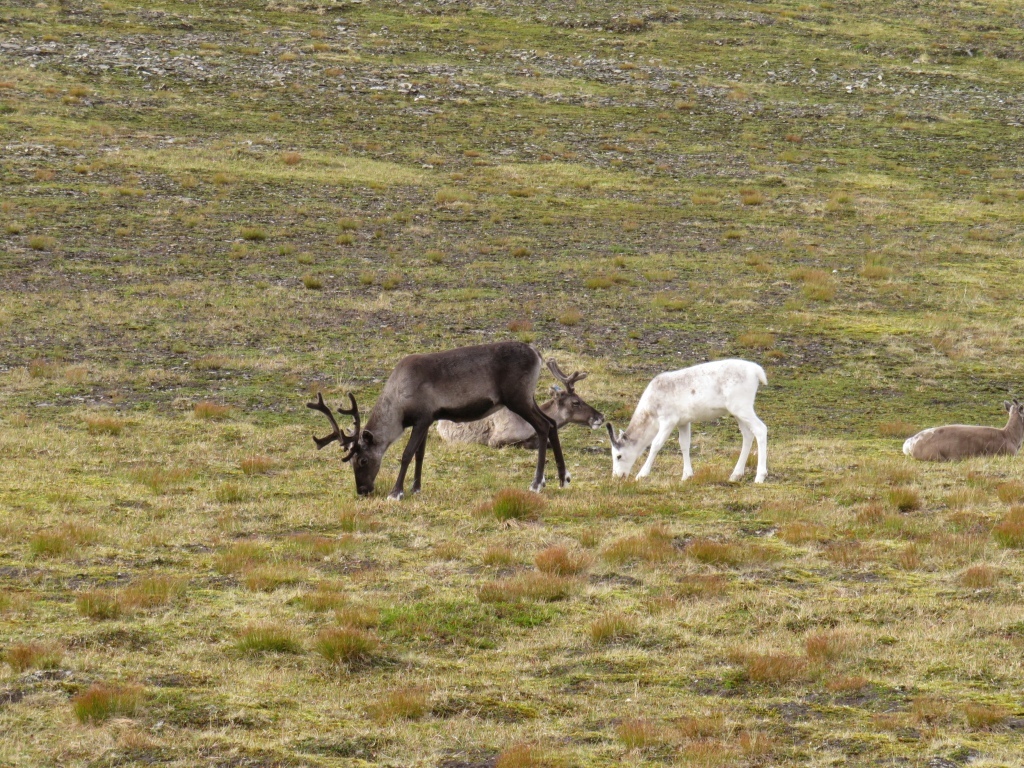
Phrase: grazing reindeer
[702,393]
[505,428]
[462,384]
[960,441]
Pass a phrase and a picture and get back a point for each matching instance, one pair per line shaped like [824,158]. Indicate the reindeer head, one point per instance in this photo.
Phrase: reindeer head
[1014,409]
[570,408]
[624,452]
[360,444]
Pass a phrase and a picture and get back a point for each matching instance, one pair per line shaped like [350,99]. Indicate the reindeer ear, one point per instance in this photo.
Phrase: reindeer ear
[611,432]
[1007,405]
[367,437]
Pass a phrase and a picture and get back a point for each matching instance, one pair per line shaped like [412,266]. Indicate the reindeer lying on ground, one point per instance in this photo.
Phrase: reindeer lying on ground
[960,441]
[505,428]
[678,398]
[460,385]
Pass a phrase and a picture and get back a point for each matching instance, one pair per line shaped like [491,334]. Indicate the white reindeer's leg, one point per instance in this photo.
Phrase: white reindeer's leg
[761,433]
[741,465]
[684,446]
[659,440]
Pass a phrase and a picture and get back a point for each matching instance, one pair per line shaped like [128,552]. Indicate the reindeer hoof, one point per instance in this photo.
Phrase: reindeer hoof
[760,478]
[568,479]
[537,488]
[735,478]
[396,496]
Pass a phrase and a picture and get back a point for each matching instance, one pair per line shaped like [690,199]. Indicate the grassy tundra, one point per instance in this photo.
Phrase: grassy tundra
[212,210]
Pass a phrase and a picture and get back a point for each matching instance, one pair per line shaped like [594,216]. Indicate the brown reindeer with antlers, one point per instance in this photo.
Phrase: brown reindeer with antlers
[460,385]
[505,428]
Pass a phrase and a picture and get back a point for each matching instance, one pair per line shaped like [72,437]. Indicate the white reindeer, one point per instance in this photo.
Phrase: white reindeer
[678,398]
[961,441]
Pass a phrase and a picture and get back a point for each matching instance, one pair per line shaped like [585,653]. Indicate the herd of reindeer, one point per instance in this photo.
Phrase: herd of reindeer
[485,394]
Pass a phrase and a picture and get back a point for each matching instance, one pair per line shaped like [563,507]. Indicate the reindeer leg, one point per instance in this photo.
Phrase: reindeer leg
[419,435]
[420,453]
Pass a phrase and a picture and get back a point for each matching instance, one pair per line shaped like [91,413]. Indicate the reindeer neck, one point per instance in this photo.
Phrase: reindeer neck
[1014,429]
[385,423]
[642,427]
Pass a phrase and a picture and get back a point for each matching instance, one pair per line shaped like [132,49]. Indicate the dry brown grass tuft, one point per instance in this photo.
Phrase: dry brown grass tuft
[1009,532]
[354,521]
[499,556]
[749,196]
[828,646]
[979,577]
[210,411]
[257,464]
[653,546]
[68,539]
[985,717]
[268,638]
[240,556]
[570,316]
[702,585]
[705,726]
[104,425]
[291,158]
[322,600]
[904,499]
[929,709]
[102,701]
[873,269]
[151,592]
[407,703]
[640,733]
[449,550]
[522,756]
[558,560]
[267,578]
[540,587]
[847,684]
[345,645]
[714,552]
[847,554]
[513,504]
[613,627]
[770,668]
[98,604]
[1010,492]
[24,656]
[757,340]
[909,558]
[800,532]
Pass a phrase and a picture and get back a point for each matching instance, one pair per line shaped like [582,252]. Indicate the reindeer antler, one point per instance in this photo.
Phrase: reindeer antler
[346,440]
[569,381]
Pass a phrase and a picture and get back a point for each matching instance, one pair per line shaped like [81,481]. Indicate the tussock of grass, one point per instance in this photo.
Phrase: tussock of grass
[407,703]
[770,668]
[268,638]
[757,340]
[801,533]
[929,709]
[653,546]
[499,556]
[230,493]
[353,521]
[68,539]
[613,627]
[714,552]
[702,585]
[254,234]
[24,656]
[979,577]
[210,411]
[904,499]
[104,425]
[321,600]
[847,684]
[1010,492]
[985,717]
[640,733]
[828,646]
[102,701]
[522,756]
[242,555]
[98,604]
[267,578]
[672,302]
[540,587]
[159,479]
[256,465]
[151,592]
[560,561]
[1009,532]
[513,504]
[345,645]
